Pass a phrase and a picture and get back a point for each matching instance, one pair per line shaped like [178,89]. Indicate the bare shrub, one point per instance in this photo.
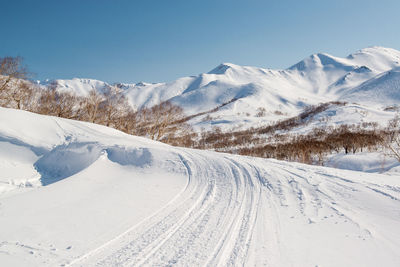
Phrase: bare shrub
[114,106]
[91,106]
[391,141]
[261,112]
[11,68]
[60,104]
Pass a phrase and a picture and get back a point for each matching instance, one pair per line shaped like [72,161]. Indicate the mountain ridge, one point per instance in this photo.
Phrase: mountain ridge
[318,78]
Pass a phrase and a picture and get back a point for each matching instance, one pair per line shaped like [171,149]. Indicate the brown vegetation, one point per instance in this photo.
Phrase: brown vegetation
[276,141]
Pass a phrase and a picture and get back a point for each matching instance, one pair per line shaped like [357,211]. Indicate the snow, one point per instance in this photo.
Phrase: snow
[376,162]
[105,198]
[382,90]
[80,87]
[350,114]
[107,177]
[16,165]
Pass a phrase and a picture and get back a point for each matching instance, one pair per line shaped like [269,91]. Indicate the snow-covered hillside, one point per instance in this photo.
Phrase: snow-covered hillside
[80,194]
[283,93]
[382,90]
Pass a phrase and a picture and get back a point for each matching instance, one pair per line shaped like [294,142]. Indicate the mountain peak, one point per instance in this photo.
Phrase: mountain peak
[320,60]
[223,68]
[376,50]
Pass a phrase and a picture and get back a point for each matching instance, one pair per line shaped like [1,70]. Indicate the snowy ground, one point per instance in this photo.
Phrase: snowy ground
[113,199]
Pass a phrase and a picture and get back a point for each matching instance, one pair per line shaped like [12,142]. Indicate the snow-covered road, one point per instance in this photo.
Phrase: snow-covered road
[239,211]
[126,201]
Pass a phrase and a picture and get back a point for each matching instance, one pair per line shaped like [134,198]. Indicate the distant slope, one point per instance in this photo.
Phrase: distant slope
[110,199]
[384,89]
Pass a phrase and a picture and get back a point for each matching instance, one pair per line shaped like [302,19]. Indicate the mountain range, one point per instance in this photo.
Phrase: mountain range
[369,79]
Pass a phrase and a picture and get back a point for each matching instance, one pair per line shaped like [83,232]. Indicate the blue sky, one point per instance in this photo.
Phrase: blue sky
[153,41]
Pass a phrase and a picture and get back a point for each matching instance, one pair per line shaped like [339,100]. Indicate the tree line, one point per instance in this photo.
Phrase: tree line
[110,107]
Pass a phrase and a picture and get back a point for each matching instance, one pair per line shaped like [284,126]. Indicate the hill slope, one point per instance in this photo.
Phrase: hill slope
[105,198]
[384,89]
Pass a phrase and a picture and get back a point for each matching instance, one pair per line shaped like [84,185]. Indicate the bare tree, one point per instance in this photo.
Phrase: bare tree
[114,106]
[91,105]
[391,142]
[20,94]
[164,120]
[61,104]
[11,68]
[128,123]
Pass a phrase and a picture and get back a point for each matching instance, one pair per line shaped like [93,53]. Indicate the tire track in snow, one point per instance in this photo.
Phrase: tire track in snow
[142,247]
[236,249]
[161,220]
[218,218]
[215,229]
[201,238]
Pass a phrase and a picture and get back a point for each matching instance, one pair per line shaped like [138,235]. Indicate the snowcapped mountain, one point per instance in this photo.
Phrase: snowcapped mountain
[79,194]
[81,87]
[368,76]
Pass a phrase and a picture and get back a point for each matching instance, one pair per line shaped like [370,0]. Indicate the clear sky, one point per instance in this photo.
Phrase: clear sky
[153,41]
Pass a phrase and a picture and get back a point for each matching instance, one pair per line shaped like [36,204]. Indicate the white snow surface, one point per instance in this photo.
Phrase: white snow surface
[94,196]
[381,90]
[316,79]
